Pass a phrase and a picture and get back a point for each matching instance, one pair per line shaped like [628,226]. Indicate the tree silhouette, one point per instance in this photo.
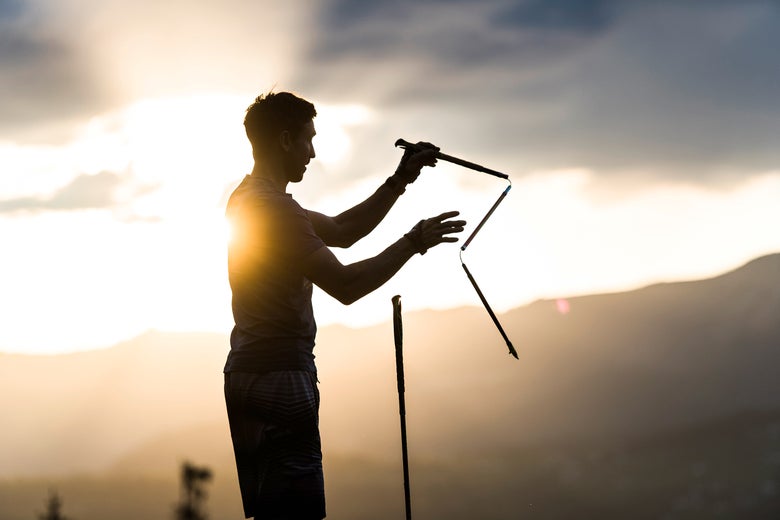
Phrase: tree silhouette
[193,496]
[53,508]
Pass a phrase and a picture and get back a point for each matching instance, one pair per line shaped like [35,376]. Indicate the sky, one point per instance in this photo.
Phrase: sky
[640,138]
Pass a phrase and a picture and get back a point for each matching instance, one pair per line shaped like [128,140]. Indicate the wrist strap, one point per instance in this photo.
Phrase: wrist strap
[415,237]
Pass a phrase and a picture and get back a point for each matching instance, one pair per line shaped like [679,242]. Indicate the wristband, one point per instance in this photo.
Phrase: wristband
[415,237]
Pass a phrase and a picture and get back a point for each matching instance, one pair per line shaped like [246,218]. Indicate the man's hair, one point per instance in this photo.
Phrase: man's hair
[273,113]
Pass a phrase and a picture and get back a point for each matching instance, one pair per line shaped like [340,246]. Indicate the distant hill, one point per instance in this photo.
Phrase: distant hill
[720,469]
[615,367]
[80,412]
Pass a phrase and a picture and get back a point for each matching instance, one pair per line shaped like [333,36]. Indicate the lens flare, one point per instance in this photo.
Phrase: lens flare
[562,305]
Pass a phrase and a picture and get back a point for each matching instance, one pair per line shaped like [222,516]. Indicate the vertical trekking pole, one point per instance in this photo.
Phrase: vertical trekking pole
[399,370]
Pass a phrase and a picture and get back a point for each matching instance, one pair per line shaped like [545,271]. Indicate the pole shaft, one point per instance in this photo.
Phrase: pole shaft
[492,314]
[484,219]
[399,369]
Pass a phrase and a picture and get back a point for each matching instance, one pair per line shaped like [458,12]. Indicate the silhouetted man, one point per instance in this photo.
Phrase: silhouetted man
[277,250]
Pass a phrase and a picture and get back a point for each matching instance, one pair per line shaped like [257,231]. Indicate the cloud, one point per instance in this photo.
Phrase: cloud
[446,47]
[673,90]
[681,90]
[62,63]
[101,191]
[46,78]
[557,15]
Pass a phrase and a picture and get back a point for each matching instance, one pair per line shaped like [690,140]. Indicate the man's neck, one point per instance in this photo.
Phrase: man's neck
[273,174]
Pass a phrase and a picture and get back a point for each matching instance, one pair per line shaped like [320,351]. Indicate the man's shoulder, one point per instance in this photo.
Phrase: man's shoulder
[255,193]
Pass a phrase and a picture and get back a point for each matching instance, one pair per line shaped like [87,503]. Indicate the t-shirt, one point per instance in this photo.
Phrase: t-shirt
[274,321]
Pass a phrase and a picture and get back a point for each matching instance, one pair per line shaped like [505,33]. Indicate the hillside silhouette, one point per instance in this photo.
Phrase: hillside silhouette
[663,382]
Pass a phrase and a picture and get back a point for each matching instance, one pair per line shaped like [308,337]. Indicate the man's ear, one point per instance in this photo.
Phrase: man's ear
[285,140]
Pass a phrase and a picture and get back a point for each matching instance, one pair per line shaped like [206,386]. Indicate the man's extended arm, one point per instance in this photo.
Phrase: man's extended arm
[351,282]
[350,226]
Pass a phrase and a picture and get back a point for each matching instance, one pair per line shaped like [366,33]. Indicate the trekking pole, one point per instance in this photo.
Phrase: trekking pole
[476,167]
[398,332]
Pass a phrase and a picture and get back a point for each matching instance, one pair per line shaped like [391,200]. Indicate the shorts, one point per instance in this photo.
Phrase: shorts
[274,425]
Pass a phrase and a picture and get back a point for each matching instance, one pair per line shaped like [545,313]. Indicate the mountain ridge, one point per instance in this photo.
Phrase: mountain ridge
[619,364]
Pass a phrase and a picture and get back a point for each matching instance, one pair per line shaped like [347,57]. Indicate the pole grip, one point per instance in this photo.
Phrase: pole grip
[398,330]
[398,333]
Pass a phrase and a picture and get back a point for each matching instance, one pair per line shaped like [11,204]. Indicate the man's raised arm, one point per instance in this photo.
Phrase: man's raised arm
[353,224]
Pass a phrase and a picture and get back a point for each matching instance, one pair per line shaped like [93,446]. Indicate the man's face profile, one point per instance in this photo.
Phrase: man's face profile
[300,152]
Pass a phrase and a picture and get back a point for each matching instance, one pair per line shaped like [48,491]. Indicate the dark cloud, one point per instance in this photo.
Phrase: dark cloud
[98,191]
[459,33]
[10,9]
[45,78]
[686,89]
[681,90]
[558,15]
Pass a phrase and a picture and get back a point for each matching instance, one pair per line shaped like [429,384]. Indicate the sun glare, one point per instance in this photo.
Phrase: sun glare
[161,244]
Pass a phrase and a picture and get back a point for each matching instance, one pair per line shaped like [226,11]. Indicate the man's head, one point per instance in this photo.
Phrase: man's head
[275,122]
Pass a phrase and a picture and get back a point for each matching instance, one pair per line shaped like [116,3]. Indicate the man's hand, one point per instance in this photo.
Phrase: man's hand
[435,230]
[413,160]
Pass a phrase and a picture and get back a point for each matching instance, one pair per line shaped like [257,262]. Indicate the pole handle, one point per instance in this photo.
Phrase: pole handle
[398,333]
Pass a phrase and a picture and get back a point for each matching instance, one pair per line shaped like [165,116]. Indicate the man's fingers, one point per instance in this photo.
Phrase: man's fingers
[423,158]
[436,229]
[453,223]
[424,144]
[445,216]
[440,223]
[450,228]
